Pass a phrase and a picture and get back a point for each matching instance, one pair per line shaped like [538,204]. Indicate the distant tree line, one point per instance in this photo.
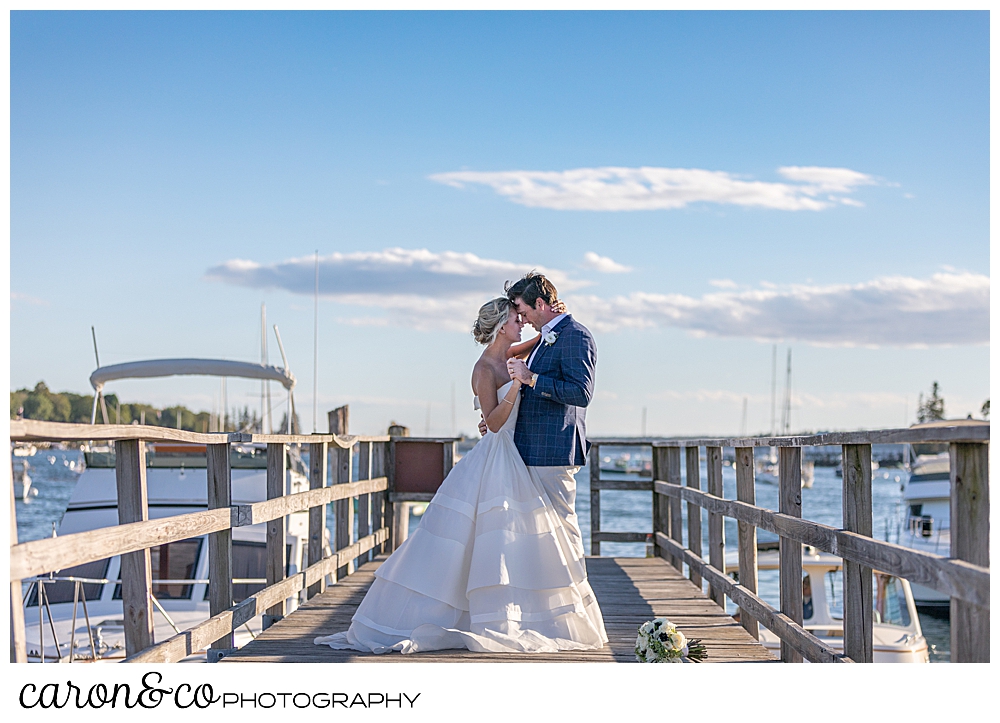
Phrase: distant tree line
[43,404]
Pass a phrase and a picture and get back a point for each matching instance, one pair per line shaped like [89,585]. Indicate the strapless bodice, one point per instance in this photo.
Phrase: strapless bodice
[501,393]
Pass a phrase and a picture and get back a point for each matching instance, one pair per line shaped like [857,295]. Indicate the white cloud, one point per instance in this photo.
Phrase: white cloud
[603,264]
[414,287]
[428,290]
[648,188]
[949,308]
[827,180]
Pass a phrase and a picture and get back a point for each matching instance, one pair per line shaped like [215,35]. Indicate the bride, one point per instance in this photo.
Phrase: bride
[492,567]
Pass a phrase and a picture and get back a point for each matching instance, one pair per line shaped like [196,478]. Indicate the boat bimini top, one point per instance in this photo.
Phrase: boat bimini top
[153,368]
[190,367]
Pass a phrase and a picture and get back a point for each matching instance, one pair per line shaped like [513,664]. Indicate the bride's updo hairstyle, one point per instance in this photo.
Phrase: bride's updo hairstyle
[492,316]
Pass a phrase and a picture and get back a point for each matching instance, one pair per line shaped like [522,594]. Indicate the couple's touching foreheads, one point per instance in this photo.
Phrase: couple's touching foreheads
[497,562]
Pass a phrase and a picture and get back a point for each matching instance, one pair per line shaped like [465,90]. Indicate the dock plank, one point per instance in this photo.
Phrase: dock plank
[629,591]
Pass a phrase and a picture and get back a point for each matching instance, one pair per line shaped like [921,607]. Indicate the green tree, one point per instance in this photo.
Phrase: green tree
[985,409]
[17,402]
[38,404]
[930,409]
[80,406]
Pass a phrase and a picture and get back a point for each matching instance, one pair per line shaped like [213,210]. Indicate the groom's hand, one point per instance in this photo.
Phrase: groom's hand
[519,370]
[482,427]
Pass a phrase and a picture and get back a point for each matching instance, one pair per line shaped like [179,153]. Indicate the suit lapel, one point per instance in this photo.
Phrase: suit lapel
[542,349]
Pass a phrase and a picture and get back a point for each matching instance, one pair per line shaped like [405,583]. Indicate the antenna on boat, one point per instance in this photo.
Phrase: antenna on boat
[284,362]
[100,394]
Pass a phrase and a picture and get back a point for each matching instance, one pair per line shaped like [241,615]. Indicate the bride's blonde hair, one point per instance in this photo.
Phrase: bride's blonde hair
[492,316]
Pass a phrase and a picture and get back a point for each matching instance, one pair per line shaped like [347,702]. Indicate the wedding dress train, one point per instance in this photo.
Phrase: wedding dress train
[490,568]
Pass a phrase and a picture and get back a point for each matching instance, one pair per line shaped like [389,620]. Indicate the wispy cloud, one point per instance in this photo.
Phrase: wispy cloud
[414,287]
[949,308]
[812,188]
[604,264]
[17,296]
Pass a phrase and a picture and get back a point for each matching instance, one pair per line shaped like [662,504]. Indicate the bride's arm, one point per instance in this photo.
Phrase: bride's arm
[523,349]
[495,413]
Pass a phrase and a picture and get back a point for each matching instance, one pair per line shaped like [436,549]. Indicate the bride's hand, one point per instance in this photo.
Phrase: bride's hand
[483,429]
[519,371]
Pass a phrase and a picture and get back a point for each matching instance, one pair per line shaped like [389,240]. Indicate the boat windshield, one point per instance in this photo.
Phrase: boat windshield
[61,591]
[173,561]
[890,601]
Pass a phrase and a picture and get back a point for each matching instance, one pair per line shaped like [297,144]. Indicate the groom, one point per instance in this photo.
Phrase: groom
[558,379]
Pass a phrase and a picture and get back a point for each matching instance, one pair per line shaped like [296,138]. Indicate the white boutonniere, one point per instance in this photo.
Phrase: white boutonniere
[549,338]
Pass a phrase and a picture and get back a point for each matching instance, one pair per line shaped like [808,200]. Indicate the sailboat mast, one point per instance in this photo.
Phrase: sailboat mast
[263,360]
[315,427]
[786,413]
[774,385]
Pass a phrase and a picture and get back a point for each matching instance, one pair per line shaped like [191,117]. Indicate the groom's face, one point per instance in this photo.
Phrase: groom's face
[528,314]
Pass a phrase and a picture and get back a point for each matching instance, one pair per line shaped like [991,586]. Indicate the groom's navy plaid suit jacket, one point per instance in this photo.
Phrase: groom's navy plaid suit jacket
[551,426]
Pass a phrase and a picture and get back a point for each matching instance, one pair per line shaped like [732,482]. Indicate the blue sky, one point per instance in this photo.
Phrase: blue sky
[701,185]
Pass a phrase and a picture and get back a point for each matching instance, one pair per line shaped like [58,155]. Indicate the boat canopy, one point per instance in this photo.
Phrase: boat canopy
[190,367]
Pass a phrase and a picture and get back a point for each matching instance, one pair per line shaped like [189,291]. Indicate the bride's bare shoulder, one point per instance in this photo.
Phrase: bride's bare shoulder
[481,372]
[484,375]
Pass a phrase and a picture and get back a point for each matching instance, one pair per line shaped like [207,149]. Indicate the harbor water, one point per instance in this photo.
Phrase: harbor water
[54,474]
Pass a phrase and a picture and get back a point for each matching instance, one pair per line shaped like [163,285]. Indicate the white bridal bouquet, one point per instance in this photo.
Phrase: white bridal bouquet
[660,641]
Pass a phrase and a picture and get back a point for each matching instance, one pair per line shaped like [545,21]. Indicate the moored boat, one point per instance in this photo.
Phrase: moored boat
[896,633]
[75,614]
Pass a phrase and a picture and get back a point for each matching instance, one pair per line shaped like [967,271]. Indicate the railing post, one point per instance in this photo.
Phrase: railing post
[692,468]
[393,518]
[595,499]
[220,544]
[18,642]
[275,555]
[448,455]
[856,461]
[790,551]
[670,464]
[137,584]
[747,533]
[364,501]
[661,503]
[716,528]
[344,509]
[380,516]
[970,541]
[317,515]
[676,515]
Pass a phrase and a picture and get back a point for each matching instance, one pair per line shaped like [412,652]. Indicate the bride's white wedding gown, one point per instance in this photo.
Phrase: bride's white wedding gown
[490,568]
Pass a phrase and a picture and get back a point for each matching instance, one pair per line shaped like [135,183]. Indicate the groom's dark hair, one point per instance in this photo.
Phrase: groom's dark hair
[530,288]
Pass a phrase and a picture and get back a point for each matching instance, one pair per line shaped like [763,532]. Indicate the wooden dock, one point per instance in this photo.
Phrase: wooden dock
[395,470]
[629,590]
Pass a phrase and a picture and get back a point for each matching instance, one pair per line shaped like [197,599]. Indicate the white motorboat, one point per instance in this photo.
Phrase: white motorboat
[927,512]
[896,633]
[926,521]
[80,616]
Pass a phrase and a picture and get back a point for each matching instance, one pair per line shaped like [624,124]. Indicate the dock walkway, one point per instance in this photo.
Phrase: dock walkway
[629,590]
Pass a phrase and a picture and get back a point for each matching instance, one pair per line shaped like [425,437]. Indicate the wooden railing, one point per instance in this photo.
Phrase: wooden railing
[964,576]
[135,534]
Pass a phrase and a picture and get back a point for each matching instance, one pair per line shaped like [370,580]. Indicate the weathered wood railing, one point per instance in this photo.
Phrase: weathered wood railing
[135,534]
[964,576]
